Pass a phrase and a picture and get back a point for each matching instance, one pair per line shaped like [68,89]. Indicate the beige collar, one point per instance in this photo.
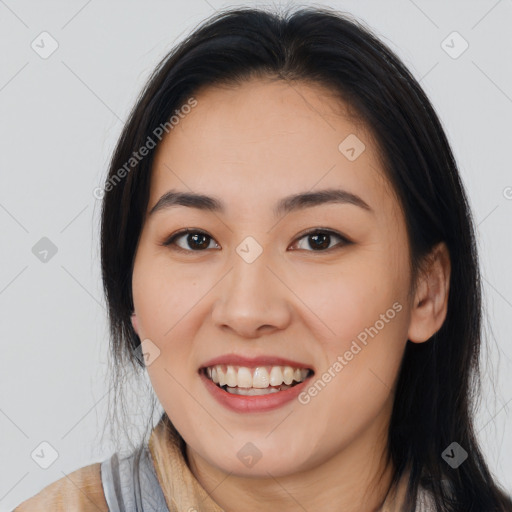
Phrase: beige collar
[182,491]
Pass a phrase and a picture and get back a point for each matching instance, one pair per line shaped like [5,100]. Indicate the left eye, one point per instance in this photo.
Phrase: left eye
[197,239]
[318,240]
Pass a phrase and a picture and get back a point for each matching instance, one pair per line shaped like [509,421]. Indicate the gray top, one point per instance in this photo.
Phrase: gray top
[130,484]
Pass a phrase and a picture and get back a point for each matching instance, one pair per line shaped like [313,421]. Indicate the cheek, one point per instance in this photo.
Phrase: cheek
[167,301]
[350,298]
[362,360]
[162,296]
[361,312]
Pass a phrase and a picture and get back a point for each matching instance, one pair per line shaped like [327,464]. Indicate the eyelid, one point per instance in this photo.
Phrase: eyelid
[169,241]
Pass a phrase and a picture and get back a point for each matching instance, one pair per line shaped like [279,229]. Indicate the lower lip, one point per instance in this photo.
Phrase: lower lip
[258,403]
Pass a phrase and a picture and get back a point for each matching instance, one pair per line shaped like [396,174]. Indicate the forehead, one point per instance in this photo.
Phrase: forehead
[266,139]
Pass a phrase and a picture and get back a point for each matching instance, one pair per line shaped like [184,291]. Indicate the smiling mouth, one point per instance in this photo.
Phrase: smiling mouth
[260,380]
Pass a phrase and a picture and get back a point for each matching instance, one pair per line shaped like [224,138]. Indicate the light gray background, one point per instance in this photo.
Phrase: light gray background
[60,118]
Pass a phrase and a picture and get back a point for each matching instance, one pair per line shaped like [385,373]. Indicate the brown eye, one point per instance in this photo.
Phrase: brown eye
[193,241]
[320,240]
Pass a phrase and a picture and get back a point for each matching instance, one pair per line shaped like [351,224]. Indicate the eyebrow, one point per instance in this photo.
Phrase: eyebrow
[286,205]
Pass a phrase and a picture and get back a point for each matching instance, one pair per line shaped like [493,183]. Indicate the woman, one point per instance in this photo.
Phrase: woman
[288,250]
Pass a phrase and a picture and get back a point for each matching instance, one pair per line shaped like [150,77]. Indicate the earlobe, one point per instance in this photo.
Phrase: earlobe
[134,322]
[430,304]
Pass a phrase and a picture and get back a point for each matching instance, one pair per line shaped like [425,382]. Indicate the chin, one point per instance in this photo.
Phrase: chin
[259,458]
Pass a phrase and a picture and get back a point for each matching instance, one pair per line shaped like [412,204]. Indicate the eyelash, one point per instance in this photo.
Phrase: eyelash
[170,241]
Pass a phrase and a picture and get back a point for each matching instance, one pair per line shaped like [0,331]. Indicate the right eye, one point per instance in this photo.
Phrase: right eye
[196,240]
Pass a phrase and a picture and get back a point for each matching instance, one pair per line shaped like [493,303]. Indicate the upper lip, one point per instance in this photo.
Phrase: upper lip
[251,362]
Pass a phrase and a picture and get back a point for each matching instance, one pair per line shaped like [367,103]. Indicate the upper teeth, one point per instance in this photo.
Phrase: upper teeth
[259,377]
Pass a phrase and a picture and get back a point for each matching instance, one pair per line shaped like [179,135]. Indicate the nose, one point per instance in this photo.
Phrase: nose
[251,300]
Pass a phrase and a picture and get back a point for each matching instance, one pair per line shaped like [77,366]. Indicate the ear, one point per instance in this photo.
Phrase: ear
[134,322]
[431,298]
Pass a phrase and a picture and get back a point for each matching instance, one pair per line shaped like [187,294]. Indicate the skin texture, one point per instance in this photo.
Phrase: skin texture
[250,146]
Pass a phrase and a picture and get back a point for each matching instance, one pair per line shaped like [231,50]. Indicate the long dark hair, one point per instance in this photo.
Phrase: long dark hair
[439,380]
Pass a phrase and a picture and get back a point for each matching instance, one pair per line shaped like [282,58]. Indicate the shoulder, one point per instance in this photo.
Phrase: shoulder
[80,491]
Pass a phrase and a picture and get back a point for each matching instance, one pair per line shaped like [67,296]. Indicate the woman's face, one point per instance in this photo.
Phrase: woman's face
[317,285]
